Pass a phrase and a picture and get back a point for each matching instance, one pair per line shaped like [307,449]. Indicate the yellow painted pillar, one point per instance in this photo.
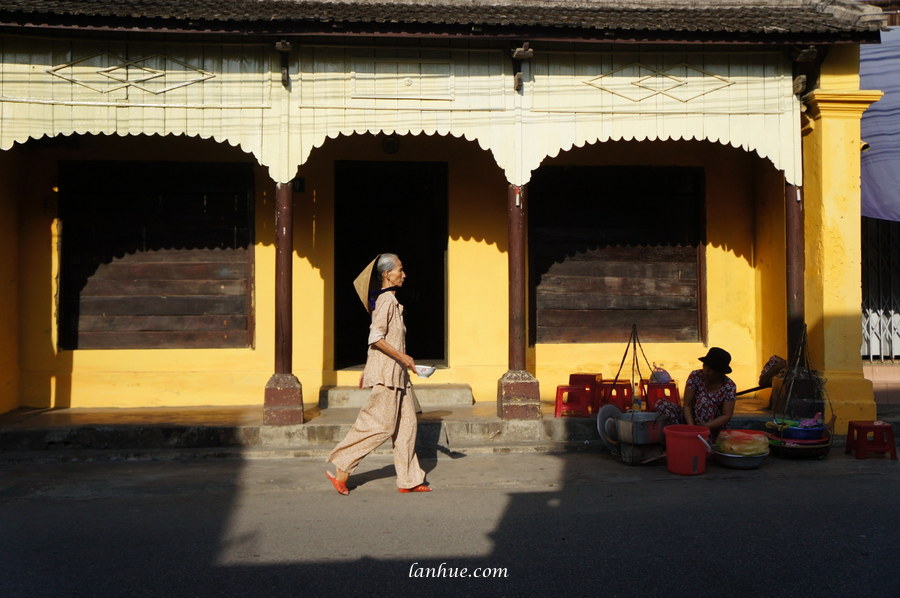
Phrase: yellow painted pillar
[831,152]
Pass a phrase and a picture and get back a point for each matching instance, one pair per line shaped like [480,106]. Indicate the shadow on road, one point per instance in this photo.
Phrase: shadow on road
[577,524]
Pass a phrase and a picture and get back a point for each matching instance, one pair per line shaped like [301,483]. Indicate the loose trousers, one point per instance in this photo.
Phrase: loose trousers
[389,413]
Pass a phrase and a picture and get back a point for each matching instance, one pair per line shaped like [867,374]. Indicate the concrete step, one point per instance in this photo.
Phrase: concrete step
[445,432]
[442,432]
[429,395]
[437,430]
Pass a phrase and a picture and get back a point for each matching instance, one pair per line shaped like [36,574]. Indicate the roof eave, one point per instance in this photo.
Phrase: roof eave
[27,23]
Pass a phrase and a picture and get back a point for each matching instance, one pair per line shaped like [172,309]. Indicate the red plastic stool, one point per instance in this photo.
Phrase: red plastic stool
[654,392]
[592,383]
[617,392]
[572,401]
[860,442]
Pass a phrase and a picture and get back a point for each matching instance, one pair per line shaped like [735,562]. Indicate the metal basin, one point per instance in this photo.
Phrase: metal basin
[739,461]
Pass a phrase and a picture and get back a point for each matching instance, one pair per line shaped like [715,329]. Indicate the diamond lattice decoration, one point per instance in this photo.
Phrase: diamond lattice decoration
[636,82]
[131,74]
[86,72]
[105,73]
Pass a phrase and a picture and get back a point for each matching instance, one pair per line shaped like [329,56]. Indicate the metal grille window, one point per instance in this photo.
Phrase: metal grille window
[880,289]
[155,255]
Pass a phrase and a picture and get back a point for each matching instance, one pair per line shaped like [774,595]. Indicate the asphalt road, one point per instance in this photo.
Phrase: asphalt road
[577,524]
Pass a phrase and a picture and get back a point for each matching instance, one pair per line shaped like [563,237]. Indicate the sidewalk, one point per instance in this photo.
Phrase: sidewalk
[221,432]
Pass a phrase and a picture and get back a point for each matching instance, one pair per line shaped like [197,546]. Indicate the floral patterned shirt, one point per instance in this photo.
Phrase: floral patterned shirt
[707,405]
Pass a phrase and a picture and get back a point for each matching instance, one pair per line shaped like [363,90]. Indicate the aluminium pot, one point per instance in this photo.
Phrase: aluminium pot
[638,427]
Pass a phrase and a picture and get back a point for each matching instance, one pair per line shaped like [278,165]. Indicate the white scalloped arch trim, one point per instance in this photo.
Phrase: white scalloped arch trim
[516,167]
[792,172]
[8,144]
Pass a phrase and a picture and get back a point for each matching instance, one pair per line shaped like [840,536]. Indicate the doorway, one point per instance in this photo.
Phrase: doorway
[396,207]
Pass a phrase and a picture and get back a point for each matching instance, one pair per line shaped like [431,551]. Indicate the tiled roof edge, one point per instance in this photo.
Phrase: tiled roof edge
[860,14]
[709,16]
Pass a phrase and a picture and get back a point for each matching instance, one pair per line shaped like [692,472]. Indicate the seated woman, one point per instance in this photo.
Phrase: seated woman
[709,395]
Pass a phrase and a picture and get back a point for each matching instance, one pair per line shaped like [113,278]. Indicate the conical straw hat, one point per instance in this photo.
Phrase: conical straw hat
[363,282]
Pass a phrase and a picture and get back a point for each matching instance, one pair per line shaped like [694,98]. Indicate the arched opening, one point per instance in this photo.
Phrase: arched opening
[616,246]
[155,254]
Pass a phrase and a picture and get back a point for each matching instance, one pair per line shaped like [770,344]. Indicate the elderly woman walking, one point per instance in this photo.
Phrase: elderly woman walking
[390,411]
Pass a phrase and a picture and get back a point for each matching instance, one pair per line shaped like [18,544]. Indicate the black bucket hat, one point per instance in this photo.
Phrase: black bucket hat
[718,360]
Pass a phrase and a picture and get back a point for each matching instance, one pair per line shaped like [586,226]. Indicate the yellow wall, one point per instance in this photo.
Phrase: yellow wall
[745,297]
[770,266]
[476,262]
[9,317]
[744,257]
[125,378]
[477,340]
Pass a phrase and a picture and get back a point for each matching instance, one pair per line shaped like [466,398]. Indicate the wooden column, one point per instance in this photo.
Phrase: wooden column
[793,203]
[518,392]
[284,394]
[516,197]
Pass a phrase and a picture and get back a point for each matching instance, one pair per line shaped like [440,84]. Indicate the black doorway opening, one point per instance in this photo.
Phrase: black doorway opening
[396,207]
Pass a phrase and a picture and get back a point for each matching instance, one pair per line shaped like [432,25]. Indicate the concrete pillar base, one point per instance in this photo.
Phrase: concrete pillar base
[283,404]
[518,396]
[851,398]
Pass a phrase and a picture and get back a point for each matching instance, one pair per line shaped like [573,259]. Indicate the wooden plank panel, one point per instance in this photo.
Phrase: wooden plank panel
[617,286]
[176,306]
[161,340]
[184,287]
[234,254]
[616,245]
[171,271]
[601,318]
[582,301]
[174,255]
[616,334]
[685,270]
[192,323]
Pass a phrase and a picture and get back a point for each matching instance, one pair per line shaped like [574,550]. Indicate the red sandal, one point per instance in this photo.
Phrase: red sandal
[419,488]
[340,486]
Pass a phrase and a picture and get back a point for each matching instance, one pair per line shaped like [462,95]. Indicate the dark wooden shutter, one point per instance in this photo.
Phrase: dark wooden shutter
[155,255]
[616,246]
